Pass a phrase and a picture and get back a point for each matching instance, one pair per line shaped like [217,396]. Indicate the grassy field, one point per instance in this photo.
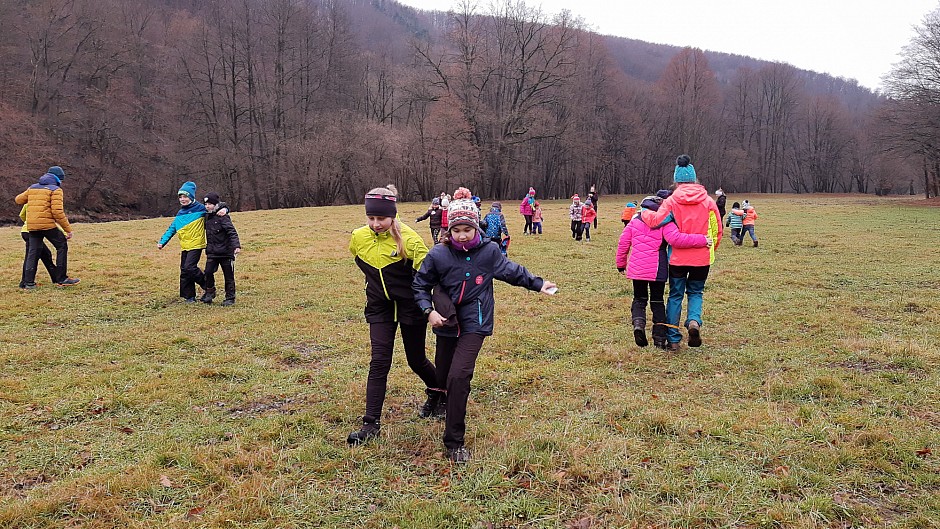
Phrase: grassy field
[815,401]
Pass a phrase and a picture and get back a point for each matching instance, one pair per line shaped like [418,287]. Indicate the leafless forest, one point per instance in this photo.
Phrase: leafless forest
[286,103]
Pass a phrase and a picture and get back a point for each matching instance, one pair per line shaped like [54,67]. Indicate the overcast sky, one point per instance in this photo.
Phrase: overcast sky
[857,39]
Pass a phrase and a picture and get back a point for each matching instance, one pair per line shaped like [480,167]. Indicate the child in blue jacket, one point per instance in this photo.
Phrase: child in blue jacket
[463,269]
[190,225]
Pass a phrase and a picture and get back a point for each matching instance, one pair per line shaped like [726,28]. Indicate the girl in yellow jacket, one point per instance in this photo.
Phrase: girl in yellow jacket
[389,254]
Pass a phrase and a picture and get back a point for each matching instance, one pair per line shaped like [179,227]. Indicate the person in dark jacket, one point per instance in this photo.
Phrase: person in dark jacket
[720,200]
[593,197]
[222,245]
[462,269]
[436,215]
[388,252]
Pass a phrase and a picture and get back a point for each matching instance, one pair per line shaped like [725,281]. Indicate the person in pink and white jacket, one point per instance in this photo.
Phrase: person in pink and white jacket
[643,255]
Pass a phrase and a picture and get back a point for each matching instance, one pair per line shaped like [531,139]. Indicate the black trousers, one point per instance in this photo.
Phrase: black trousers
[34,249]
[382,336]
[456,358]
[45,255]
[436,235]
[577,228]
[190,274]
[528,224]
[228,272]
[651,292]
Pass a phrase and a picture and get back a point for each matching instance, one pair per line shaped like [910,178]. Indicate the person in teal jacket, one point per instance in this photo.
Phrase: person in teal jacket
[190,225]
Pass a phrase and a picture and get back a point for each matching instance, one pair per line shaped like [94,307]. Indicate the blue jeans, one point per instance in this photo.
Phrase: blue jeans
[749,229]
[536,226]
[684,281]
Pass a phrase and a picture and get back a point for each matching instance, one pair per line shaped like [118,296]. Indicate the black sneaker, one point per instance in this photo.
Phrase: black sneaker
[207,297]
[436,405]
[228,302]
[369,431]
[459,455]
[67,282]
[189,300]
[28,286]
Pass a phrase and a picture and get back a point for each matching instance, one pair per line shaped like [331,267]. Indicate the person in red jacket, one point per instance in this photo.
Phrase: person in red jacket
[693,212]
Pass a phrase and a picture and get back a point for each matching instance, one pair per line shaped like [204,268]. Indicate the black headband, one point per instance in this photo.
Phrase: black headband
[381,205]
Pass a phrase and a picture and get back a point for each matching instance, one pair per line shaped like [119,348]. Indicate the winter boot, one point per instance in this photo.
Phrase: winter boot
[755,244]
[639,332]
[459,455]
[369,431]
[436,405]
[659,335]
[695,337]
[208,295]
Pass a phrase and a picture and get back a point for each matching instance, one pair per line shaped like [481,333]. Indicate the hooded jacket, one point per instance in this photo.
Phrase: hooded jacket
[45,200]
[648,249]
[750,215]
[574,211]
[495,224]
[466,277]
[588,214]
[221,236]
[190,224]
[525,207]
[389,296]
[693,212]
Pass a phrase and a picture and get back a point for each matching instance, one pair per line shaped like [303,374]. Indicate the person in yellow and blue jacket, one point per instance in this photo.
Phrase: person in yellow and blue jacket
[190,225]
[389,254]
[45,254]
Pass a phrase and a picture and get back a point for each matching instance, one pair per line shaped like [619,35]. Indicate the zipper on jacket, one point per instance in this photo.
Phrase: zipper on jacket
[462,287]
[480,312]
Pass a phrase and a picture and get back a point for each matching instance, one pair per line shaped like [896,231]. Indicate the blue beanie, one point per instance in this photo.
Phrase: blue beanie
[57,172]
[631,205]
[685,172]
[188,188]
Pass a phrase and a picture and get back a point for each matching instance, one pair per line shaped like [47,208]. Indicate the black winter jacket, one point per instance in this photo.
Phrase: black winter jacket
[467,279]
[221,237]
[435,215]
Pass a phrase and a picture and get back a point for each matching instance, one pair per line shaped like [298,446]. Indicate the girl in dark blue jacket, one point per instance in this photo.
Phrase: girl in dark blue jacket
[463,269]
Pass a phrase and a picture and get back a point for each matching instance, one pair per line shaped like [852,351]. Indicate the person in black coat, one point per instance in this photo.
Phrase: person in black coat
[222,245]
[720,200]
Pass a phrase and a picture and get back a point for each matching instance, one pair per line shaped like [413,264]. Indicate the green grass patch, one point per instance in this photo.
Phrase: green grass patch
[812,403]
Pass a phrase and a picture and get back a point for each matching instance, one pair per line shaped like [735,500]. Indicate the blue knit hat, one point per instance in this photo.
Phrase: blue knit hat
[189,189]
[57,171]
[685,172]
[631,205]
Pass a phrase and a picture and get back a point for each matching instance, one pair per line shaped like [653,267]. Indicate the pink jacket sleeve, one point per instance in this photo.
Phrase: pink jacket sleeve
[654,218]
[623,248]
[677,239]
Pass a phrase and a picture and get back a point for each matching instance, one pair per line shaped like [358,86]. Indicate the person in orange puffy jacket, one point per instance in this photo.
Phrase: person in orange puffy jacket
[44,216]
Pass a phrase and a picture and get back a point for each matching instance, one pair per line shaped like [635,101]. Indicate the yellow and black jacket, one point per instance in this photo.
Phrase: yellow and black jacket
[389,296]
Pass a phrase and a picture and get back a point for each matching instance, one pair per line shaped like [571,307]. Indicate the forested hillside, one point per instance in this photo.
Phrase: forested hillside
[285,103]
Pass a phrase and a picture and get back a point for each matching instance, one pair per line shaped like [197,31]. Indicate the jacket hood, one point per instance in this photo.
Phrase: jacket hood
[690,194]
[48,179]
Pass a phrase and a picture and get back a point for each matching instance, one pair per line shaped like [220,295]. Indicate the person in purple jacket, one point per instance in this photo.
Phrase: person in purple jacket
[461,271]
[648,267]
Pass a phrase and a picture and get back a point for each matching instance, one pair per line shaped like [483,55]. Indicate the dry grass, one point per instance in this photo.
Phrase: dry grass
[813,402]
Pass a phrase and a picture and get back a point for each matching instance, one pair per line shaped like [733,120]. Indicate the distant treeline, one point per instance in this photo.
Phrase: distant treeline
[286,103]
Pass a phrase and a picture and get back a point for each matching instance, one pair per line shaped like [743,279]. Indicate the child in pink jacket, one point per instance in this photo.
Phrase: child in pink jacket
[693,211]
[647,266]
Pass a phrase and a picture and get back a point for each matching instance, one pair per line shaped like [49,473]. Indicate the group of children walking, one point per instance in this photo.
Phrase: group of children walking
[449,287]
[674,236]
[203,226]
